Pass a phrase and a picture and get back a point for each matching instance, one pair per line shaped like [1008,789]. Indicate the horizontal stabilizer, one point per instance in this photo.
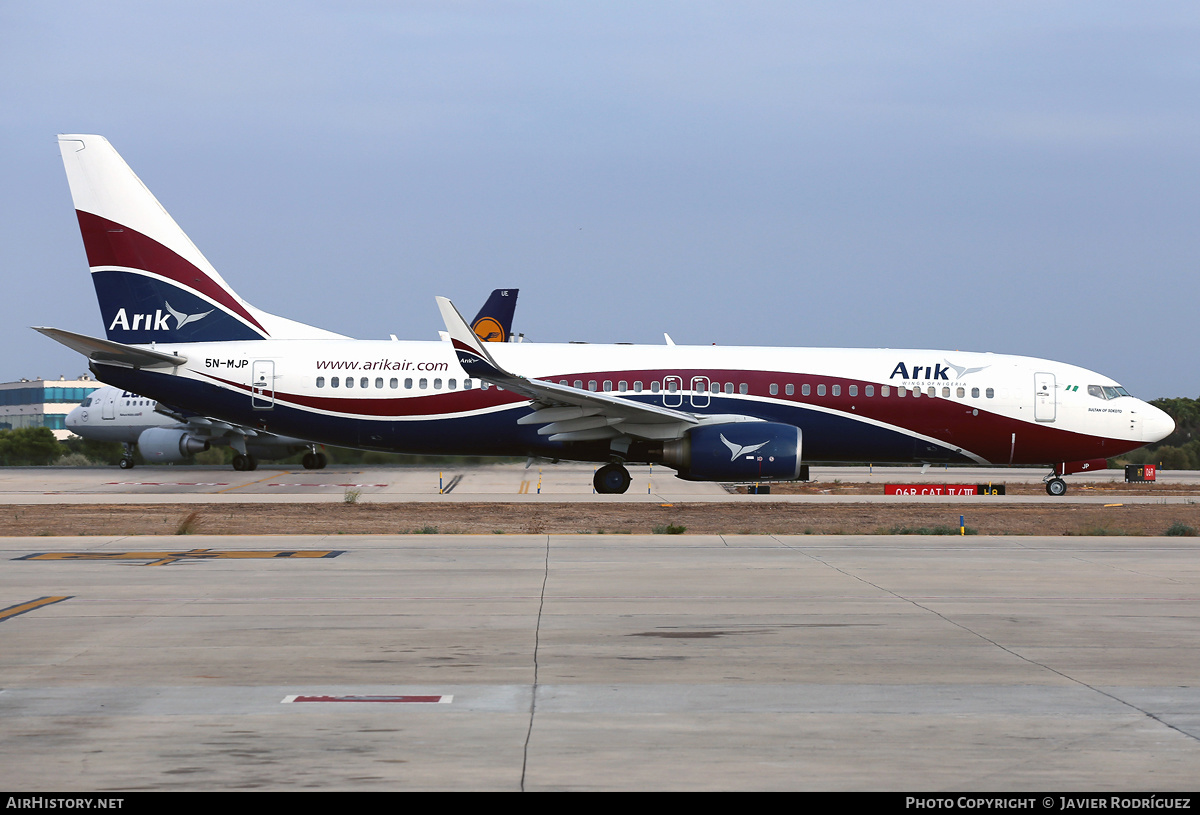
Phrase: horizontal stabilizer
[108,352]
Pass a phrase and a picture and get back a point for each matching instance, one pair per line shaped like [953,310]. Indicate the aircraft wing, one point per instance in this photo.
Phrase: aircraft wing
[108,352]
[571,414]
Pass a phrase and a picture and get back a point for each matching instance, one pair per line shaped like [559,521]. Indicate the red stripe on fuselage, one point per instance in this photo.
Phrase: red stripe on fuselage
[952,423]
[110,244]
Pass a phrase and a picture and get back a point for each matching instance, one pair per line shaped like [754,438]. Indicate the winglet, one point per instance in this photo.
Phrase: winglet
[472,355]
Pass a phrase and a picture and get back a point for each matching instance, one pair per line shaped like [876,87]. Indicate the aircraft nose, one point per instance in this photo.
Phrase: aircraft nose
[73,420]
[1156,424]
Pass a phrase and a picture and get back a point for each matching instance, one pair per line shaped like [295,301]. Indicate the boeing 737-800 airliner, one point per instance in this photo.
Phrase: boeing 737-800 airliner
[177,333]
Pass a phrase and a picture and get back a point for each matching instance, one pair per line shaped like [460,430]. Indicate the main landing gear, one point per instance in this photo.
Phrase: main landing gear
[244,463]
[126,462]
[1055,486]
[314,460]
[611,479]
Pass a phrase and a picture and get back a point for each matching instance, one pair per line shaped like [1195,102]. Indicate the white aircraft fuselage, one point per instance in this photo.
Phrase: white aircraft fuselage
[178,333]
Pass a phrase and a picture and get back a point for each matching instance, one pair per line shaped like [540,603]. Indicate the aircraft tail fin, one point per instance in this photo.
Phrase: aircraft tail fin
[494,321]
[152,283]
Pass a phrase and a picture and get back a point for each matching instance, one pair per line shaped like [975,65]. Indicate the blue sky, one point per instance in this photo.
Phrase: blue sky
[1010,177]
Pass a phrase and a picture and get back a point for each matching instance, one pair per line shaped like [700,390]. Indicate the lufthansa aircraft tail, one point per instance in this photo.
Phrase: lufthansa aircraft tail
[494,321]
[152,282]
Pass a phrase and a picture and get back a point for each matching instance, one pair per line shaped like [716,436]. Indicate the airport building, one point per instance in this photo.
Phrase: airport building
[43,402]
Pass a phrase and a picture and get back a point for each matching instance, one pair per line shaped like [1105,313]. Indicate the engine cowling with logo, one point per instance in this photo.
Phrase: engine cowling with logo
[738,451]
[164,444]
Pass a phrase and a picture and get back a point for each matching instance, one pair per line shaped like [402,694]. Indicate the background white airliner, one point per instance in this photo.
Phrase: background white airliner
[111,414]
[711,413]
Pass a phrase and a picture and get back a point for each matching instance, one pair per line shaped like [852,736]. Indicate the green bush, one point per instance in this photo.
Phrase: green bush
[29,445]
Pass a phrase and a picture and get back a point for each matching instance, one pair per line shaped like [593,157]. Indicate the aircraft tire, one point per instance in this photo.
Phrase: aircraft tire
[252,463]
[241,463]
[611,479]
[125,464]
[309,461]
[1056,487]
[321,461]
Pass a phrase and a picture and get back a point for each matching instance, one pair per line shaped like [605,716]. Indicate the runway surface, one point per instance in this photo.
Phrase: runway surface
[505,482]
[599,662]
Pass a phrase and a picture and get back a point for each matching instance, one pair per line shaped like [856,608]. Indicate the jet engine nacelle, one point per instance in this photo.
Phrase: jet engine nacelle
[159,444]
[738,451]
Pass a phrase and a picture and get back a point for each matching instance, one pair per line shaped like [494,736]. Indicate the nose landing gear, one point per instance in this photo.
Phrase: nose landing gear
[1055,486]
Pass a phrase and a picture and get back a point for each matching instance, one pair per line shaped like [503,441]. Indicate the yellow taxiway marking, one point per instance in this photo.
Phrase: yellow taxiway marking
[165,558]
[21,608]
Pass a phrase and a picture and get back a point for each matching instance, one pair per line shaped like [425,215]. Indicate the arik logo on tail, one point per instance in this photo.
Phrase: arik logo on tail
[156,321]
[934,371]
[736,450]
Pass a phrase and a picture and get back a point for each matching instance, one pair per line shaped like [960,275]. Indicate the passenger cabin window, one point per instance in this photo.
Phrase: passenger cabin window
[743,388]
[333,382]
[362,383]
[408,383]
[637,386]
[393,383]
[869,390]
[437,384]
[789,389]
[835,390]
[349,382]
[379,381]
[654,387]
[974,393]
[423,383]
[852,390]
[729,387]
[990,393]
[820,390]
[884,390]
[320,384]
[805,389]
[774,389]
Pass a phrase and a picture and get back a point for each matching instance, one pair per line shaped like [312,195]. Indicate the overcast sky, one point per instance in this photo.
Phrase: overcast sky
[1010,177]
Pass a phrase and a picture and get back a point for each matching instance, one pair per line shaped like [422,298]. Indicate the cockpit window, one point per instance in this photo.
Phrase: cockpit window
[86,402]
[1107,391]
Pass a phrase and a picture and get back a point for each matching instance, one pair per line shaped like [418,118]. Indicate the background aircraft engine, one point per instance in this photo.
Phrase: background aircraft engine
[164,444]
[740,451]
